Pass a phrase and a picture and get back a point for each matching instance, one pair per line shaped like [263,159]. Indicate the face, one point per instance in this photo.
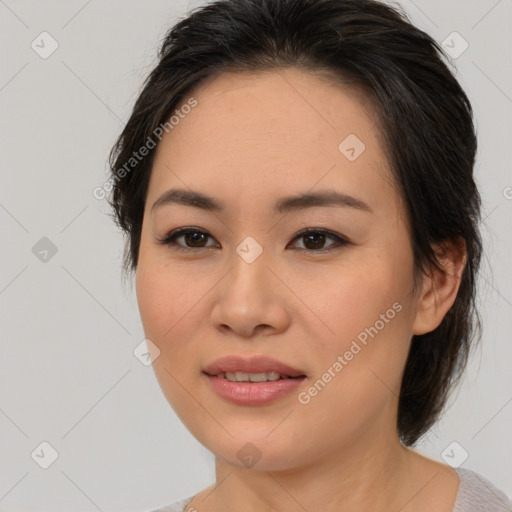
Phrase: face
[336,304]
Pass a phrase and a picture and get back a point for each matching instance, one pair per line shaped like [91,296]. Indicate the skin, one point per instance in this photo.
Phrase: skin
[253,138]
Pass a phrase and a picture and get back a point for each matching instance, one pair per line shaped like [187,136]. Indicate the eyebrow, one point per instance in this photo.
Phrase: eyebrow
[325,198]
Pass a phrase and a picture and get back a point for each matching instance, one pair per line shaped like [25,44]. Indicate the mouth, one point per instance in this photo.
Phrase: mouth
[254,381]
[271,376]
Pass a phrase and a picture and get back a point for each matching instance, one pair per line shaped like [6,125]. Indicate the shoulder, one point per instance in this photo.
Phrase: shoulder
[476,494]
[177,506]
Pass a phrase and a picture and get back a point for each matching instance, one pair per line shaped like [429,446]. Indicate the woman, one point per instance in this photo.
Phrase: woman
[296,184]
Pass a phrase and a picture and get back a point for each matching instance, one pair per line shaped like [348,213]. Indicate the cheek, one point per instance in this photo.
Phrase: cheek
[354,298]
[153,302]
[167,317]
[357,377]
[368,312]
[171,306]
[165,297]
[161,307]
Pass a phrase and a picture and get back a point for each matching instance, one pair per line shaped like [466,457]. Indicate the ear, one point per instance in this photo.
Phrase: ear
[440,287]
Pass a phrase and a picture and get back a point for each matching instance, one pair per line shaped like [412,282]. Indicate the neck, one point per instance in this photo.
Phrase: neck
[364,476]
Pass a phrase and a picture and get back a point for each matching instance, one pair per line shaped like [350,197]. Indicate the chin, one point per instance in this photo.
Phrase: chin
[258,452]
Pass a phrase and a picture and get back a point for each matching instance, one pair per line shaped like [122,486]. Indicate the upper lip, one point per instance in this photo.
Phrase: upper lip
[256,364]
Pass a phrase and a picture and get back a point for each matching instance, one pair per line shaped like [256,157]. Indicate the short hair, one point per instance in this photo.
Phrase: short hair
[425,123]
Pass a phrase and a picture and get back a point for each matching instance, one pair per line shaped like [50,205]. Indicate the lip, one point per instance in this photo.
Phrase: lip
[255,364]
[253,393]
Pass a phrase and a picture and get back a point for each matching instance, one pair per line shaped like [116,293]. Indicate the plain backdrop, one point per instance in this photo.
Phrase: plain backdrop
[68,324]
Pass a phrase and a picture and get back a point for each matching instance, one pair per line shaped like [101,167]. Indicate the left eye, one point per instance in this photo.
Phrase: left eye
[317,237]
[313,239]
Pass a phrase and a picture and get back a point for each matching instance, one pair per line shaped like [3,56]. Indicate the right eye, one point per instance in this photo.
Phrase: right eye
[193,236]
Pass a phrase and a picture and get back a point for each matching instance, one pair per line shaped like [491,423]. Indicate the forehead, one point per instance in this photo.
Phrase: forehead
[272,131]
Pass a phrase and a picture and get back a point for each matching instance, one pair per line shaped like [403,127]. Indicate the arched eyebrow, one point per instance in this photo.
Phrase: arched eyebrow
[324,198]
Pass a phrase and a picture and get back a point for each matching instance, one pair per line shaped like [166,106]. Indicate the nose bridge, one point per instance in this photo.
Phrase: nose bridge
[249,267]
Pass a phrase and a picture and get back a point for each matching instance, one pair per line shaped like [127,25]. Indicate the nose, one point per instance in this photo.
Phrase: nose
[250,300]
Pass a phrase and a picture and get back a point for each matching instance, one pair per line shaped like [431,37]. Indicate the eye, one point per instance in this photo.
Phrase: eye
[195,238]
[315,237]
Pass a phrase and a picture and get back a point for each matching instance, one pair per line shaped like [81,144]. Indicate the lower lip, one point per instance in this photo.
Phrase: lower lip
[254,393]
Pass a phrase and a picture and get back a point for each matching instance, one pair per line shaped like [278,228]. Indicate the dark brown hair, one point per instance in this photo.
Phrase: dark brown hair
[425,121]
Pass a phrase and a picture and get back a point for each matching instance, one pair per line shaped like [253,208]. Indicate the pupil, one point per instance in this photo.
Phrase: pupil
[313,237]
[194,237]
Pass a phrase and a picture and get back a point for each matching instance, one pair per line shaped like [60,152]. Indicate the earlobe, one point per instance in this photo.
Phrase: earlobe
[441,286]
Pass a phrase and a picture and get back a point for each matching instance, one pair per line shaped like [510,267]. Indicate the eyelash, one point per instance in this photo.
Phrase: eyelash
[170,239]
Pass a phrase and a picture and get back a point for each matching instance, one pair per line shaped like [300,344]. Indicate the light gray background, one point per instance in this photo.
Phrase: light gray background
[69,326]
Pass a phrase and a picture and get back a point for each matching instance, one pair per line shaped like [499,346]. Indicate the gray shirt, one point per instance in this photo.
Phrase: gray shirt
[475,494]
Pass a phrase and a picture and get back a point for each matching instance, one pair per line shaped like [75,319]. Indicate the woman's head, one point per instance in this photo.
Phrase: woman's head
[277,99]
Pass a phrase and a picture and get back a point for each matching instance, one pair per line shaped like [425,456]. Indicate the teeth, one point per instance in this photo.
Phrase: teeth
[251,377]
